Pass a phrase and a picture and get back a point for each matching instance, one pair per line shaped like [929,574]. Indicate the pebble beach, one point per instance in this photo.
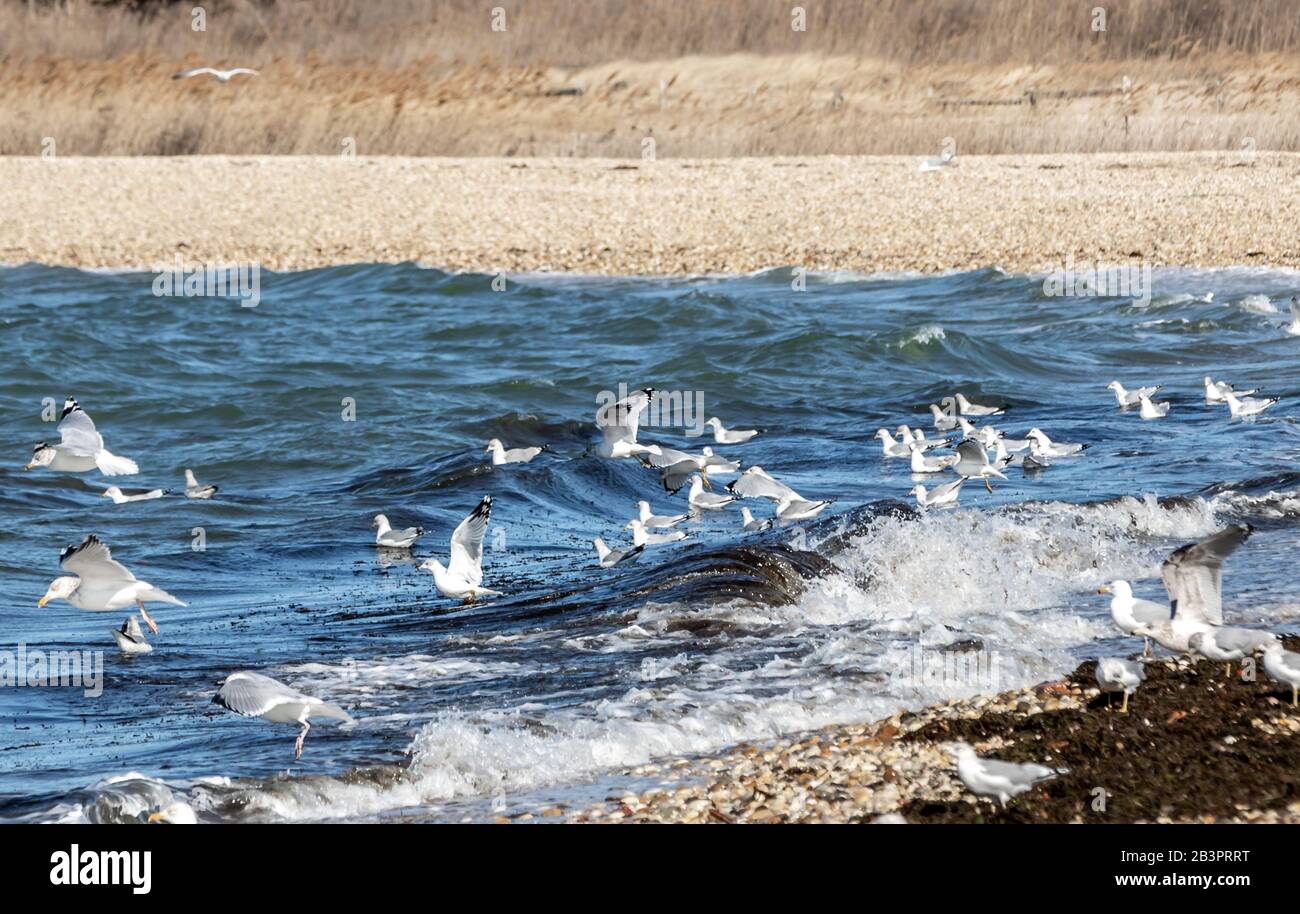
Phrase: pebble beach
[664,217]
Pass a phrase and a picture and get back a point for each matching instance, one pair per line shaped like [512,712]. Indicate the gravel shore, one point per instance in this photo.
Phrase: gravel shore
[666,217]
[1195,746]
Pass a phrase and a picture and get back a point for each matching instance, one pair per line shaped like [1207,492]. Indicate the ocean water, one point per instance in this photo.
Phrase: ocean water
[363,389]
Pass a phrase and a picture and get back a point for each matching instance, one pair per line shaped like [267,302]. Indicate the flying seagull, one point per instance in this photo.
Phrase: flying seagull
[462,579]
[221,76]
[1193,576]
[251,694]
[618,426]
[973,462]
[101,583]
[80,449]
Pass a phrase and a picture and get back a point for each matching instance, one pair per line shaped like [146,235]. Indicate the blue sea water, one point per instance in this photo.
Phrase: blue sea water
[356,390]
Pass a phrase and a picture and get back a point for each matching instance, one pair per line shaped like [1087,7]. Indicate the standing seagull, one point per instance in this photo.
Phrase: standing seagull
[395,539]
[80,449]
[618,426]
[1226,643]
[1116,675]
[102,583]
[129,638]
[194,490]
[221,76]
[462,579]
[1131,613]
[251,694]
[973,462]
[1284,666]
[729,436]
[500,455]
[988,777]
[1193,576]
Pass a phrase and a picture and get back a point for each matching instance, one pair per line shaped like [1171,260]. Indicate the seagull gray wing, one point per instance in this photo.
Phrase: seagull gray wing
[618,421]
[79,434]
[972,451]
[1016,773]
[252,694]
[92,561]
[1193,574]
[467,543]
[754,483]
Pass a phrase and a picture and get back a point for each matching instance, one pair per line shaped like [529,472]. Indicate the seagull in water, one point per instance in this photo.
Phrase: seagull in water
[1250,406]
[729,436]
[1226,643]
[656,521]
[707,501]
[1050,448]
[101,583]
[80,449]
[501,455]
[1127,398]
[394,539]
[1152,410]
[750,524]
[967,408]
[1116,675]
[462,579]
[973,462]
[942,421]
[945,494]
[129,638]
[1215,390]
[618,426]
[1193,576]
[608,558]
[251,694]
[121,497]
[790,505]
[221,76]
[641,538]
[194,490]
[1293,328]
[922,464]
[892,448]
[987,777]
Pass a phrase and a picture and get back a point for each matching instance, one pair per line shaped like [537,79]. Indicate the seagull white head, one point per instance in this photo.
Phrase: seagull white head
[883,434]
[1116,385]
[60,589]
[714,422]
[42,455]
[493,444]
[174,813]
[1120,589]
[960,750]
[381,520]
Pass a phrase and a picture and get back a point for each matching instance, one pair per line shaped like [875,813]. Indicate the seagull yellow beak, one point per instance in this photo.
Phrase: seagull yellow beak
[30,465]
[155,817]
[1103,590]
[40,604]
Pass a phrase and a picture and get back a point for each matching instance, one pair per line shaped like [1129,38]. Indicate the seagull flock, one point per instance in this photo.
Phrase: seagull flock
[1192,622]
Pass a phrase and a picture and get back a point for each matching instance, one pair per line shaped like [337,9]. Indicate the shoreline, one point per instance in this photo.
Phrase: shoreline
[1236,739]
[671,217]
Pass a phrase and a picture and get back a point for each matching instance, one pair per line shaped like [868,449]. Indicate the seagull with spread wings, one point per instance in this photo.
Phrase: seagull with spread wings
[81,448]
[221,76]
[790,505]
[618,426]
[1193,576]
[251,694]
[462,578]
[102,583]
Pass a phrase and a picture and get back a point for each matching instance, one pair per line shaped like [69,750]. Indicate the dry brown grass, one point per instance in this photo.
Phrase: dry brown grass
[726,77]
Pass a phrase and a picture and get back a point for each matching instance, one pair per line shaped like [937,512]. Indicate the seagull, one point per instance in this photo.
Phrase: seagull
[222,76]
[990,437]
[708,501]
[1284,666]
[194,490]
[918,437]
[80,448]
[934,163]
[967,408]
[610,557]
[1131,613]
[751,525]
[251,694]
[1214,390]
[129,638]
[500,455]
[1153,410]
[729,436]
[1193,576]
[790,505]
[1293,328]
[102,583]
[892,448]
[922,464]
[945,494]
[657,521]
[942,421]
[462,579]
[677,467]
[1116,675]
[618,425]
[1127,398]
[988,777]
[120,498]
[720,465]
[1250,406]
[1226,643]
[973,461]
[968,429]
[395,539]
[1050,448]
[641,538]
